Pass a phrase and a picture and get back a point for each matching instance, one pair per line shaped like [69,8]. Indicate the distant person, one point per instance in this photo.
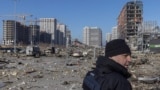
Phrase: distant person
[111,71]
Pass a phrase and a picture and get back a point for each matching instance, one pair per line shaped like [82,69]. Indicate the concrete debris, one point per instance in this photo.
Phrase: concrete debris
[149,80]
[2,84]
[59,69]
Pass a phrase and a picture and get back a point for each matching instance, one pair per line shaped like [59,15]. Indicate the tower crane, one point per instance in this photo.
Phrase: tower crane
[21,16]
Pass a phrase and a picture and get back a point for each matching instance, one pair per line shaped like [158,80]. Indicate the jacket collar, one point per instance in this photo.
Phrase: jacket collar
[106,65]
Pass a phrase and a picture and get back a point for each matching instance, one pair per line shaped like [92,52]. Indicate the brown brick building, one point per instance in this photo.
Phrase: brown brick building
[129,18]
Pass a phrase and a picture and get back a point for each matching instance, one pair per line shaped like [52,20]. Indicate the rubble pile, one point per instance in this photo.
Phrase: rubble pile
[145,71]
[44,73]
[20,72]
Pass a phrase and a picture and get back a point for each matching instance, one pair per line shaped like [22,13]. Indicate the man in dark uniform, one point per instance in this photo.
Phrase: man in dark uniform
[111,71]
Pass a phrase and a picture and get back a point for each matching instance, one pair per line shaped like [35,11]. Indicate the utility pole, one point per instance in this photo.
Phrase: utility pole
[94,54]
[15,35]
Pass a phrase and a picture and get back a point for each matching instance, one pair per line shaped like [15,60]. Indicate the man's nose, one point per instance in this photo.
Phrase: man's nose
[129,58]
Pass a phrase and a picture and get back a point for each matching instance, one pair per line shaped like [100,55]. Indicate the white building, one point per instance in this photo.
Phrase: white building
[68,37]
[114,33]
[48,25]
[108,37]
[92,36]
[61,34]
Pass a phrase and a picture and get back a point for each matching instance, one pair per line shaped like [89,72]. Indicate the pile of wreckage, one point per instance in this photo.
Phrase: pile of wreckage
[66,68]
[145,69]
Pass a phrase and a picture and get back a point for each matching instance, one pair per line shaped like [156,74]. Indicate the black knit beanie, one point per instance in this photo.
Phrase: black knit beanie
[116,47]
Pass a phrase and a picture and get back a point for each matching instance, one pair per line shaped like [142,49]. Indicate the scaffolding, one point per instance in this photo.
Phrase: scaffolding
[147,31]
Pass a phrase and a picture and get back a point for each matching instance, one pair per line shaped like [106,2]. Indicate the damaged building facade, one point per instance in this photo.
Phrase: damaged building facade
[148,33]
[131,27]
[129,18]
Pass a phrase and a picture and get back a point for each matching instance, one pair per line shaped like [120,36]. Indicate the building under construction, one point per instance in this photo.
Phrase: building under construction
[23,34]
[9,33]
[135,31]
[147,32]
[129,19]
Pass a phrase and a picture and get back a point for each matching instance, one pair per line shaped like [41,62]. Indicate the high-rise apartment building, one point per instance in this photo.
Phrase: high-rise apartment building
[129,19]
[92,36]
[9,33]
[23,35]
[34,34]
[48,25]
[108,37]
[61,34]
[47,32]
[114,33]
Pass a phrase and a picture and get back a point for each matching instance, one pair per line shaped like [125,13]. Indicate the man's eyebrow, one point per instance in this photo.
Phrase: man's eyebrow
[125,54]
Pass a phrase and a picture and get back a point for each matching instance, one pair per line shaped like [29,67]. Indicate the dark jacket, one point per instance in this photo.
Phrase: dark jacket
[108,75]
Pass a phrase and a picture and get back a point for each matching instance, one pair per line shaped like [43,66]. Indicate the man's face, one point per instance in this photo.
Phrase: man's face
[122,59]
